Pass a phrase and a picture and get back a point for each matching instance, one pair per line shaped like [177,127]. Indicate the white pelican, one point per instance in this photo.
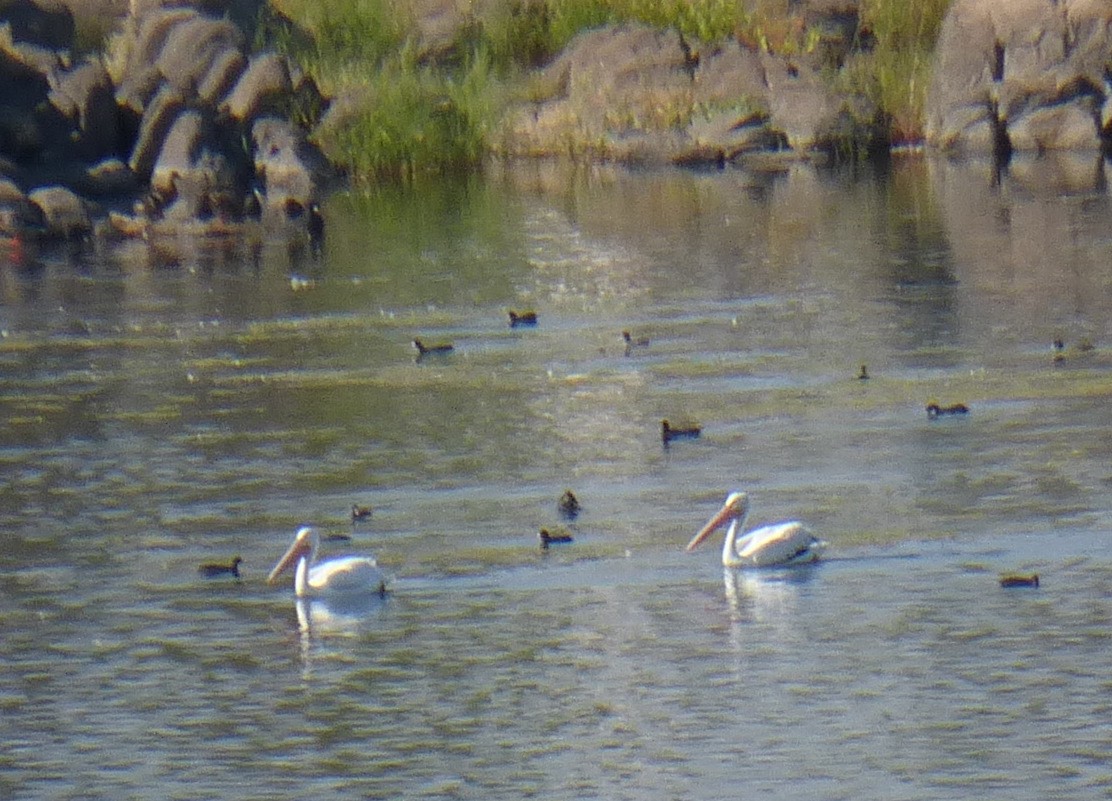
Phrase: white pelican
[787,543]
[342,576]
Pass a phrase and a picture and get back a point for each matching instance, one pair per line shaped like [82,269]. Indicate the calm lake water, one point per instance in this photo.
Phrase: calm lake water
[164,407]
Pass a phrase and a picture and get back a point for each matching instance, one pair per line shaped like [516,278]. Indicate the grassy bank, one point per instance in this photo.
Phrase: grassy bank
[412,111]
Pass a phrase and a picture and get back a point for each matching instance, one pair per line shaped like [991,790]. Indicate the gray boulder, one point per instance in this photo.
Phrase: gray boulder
[1021,76]
[177,95]
[194,47]
[108,178]
[17,214]
[290,169]
[64,214]
[85,97]
[141,42]
[194,158]
[264,87]
[157,119]
[634,93]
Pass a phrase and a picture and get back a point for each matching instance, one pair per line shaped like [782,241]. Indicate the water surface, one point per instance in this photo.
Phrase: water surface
[164,408]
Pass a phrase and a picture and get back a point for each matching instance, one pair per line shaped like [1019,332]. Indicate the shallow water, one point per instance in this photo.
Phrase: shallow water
[163,412]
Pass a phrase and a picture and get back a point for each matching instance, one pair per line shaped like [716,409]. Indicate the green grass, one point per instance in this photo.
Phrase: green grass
[895,73]
[414,121]
[407,116]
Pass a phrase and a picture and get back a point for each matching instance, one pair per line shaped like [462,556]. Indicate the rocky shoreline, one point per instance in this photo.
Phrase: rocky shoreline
[181,127]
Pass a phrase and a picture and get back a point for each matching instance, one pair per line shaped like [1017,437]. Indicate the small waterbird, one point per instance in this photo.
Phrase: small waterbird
[439,349]
[214,570]
[631,343]
[568,505]
[668,432]
[1020,581]
[864,374]
[934,410]
[360,513]
[554,536]
[524,318]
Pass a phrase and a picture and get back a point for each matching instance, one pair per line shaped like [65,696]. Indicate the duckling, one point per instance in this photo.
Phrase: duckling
[631,343]
[524,318]
[934,410]
[360,513]
[440,349]
[1084,345]
[864,374]
[215,570]
[554,536]
[669,432]
[1020,581]
[568,505]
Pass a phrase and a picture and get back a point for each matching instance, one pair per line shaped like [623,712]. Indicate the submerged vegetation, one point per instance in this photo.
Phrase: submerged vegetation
[411,109]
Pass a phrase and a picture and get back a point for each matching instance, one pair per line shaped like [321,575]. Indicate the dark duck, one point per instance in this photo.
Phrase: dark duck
[554,536]
[522,318]
[631,342]
[568,505]
[439,349]
[360,513]
[216,570]
[935,411]
[669,432]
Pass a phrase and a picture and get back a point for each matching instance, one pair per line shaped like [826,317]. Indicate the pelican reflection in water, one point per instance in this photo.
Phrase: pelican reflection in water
[768,597]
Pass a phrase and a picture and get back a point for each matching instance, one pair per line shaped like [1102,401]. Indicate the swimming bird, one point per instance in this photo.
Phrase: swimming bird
[787,543]
[934,410]
[522,318]
[1020,581]
[554,536]
[1084,345]
[668,432]
[360,513]
[440,349]
[340,576]
[214,570]
[631,343]
[569,505]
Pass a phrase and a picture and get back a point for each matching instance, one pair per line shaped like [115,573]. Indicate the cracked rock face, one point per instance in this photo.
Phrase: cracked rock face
[633,93]
[166,128]
[1022,76]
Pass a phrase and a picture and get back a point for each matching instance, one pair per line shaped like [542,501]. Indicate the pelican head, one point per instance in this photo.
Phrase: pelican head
[735,508]
[304,546]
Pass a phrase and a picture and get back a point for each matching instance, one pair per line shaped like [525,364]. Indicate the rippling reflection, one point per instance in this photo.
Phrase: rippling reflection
[320,620]
[766,596]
